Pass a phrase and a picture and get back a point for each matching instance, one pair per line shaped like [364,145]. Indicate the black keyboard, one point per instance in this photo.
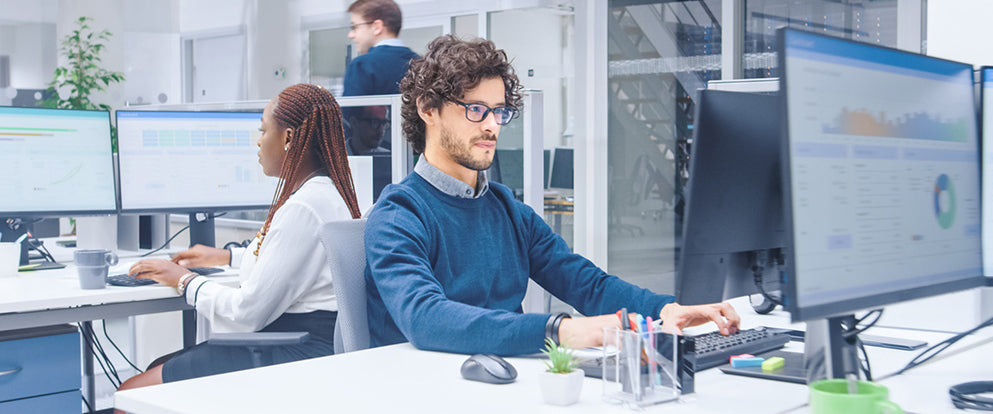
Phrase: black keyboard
[204,271]
[713,349]
[126,280]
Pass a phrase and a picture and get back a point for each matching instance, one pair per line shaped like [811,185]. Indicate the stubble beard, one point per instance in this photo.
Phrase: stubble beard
[463,154]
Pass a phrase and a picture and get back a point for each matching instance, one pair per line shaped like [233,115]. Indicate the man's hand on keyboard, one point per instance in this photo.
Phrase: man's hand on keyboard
[578,333]
[675,317]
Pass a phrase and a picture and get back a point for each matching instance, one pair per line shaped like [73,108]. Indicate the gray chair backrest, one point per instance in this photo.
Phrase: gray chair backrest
[343,242]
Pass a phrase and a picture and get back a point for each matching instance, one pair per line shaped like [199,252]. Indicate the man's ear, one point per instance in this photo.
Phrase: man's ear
[378,27]
[428,115]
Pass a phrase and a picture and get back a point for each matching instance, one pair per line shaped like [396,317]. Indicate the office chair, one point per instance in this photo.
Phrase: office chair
[343,241]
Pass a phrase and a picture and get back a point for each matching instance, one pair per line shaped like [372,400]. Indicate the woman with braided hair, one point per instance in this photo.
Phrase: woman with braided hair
[285,280]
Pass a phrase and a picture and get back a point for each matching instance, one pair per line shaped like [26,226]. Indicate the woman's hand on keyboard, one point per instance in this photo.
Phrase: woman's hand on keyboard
[202,256]
[160,270]
[675,317]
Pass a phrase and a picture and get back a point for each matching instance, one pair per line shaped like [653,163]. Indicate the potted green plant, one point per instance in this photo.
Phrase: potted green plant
[562,382]
[81,76]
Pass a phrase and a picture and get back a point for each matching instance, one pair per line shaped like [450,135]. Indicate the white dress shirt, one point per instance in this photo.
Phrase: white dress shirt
[290,274]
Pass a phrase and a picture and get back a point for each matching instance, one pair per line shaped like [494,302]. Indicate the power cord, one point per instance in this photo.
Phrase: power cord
[119,352]
[166,242]
[94,345]
[89,408]
[852,332]
[939,347]
[176,235]
[760,259]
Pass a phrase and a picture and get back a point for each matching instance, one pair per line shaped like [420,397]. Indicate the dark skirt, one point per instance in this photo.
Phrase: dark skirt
[204,359]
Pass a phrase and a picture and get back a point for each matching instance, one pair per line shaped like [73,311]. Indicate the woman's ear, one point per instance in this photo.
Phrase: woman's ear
[289,136]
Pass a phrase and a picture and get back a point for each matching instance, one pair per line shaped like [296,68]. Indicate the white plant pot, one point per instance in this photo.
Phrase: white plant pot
[561,389]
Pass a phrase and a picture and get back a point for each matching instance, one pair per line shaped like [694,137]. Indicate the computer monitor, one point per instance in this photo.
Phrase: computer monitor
[547,155]
[561,170]
[54,162]
[733,227]
[200,163]
[986,105]
[191,162]
[508,169]
[881,181]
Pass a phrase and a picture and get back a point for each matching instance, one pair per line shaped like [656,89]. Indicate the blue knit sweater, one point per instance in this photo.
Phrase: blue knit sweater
[378,72]
[449,274]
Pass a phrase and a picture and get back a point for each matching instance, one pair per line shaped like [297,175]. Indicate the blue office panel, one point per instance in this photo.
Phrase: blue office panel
[65,402]
[38,365]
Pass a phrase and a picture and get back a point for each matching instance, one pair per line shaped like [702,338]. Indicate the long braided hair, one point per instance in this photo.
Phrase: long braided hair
[315,118]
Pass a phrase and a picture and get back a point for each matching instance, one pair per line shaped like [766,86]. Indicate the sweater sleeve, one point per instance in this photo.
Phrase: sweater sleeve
[397,248]
[577,281]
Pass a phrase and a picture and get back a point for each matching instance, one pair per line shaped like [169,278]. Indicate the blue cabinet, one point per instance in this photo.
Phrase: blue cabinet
[39,370]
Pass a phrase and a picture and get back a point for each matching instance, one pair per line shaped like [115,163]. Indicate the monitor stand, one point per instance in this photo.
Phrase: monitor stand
[827,354]
[12,228]
[202,229]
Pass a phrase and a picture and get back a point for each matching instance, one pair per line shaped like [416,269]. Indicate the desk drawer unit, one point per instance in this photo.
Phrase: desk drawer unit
[39,370]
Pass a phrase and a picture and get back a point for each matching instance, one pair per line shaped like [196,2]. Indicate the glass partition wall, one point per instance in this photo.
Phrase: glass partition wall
[659,54]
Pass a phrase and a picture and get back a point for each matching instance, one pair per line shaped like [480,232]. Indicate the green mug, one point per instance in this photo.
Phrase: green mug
[831,396]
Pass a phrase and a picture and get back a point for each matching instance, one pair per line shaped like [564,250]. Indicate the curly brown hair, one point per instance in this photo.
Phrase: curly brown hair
[450,67]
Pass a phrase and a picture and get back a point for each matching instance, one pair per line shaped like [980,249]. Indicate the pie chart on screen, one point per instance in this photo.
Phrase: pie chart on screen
[944,201]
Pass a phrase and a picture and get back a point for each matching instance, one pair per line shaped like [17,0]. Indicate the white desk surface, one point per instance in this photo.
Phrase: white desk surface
[58,289]
[401,378]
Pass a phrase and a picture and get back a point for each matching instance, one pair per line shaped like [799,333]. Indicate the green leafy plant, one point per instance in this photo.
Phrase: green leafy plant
[82,75]
[561,360]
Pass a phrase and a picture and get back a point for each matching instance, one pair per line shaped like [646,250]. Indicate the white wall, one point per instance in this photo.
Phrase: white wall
[275,49]
[960,30]
[31,47]
[539,48]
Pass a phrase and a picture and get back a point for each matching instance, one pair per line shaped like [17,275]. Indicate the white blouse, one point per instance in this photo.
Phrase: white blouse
[290,274]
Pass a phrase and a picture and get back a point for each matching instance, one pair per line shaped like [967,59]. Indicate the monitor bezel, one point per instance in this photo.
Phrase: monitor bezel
[74,212]
[798,312]
[982,135]
[181,209]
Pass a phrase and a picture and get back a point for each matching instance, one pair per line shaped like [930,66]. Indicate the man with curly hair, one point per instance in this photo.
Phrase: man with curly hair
[449,254]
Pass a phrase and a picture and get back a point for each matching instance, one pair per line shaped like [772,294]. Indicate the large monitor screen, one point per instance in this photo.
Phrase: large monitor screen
[191,161]
[987,114]
[881,168]
[55,162]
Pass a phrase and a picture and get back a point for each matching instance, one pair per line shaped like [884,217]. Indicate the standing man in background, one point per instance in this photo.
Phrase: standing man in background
[381,64]
[383,59]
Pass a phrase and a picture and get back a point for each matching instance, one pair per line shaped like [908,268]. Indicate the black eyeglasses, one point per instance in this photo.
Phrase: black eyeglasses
[356,25]
[476,112]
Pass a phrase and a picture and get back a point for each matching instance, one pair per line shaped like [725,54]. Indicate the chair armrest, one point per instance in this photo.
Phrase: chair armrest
[258,338]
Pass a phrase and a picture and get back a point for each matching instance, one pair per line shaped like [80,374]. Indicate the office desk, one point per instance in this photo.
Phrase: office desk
[401,378]
[51,297]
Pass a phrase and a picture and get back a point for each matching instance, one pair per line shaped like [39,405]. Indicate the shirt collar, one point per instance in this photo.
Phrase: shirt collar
[451,185]
[389,42]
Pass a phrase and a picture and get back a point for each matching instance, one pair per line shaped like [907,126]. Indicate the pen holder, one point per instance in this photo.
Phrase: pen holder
[639,368]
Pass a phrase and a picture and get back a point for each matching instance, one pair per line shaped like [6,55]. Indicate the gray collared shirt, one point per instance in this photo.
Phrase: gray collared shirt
[451,185]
